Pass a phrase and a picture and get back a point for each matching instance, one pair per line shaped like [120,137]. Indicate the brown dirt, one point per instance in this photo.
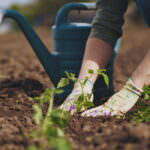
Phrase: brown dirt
[108,134]
[25,77]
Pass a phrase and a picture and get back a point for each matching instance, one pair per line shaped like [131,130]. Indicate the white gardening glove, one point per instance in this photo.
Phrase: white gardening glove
[119,103]
[69,105]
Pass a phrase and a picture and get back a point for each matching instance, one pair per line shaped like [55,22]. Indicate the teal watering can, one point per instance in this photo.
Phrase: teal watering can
[69,43]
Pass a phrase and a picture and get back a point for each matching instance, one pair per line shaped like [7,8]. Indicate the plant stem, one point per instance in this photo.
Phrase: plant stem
[82,88]
[50,108]
[49,111]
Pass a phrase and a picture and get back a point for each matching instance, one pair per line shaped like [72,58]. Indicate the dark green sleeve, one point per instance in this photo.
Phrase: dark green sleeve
[107,24]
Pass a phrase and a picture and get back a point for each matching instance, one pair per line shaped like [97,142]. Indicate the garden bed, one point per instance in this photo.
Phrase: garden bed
[26,78]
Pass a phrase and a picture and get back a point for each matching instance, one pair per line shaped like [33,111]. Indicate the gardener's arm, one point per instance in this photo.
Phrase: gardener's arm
[122,101]
[106,29]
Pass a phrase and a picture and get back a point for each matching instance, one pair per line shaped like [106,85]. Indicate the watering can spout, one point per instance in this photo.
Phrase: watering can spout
[48,60]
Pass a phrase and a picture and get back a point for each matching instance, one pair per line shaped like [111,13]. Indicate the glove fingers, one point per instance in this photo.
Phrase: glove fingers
[117,105]
[91,112]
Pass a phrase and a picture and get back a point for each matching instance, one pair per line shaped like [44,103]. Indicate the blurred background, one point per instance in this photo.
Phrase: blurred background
[43,12]
[38,12]
[8,3]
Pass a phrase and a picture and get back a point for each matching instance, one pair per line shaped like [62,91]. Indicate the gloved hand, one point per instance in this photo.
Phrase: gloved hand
[119,103]
[68,104]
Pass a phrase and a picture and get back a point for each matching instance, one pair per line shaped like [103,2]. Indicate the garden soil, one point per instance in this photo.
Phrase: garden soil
[24,78]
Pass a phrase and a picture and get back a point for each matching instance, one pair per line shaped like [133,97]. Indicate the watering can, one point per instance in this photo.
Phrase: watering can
[69,43]
[144,8]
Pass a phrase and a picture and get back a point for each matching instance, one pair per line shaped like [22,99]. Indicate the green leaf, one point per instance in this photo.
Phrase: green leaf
[106,79]
[79,106]
[38,116]
[88,104]
[62,144]
[146,97]
[147,88]
[81,98]
[60,118]
[63,82]
[90,71]
[45,96]
[51,132]
[142,112]
[32,147]
[59,91]
[101,70]
[71,76]
[146,93]
[83,102]
[60,132]
[34,134]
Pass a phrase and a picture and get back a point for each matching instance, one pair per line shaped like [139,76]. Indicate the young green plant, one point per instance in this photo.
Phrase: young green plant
[82,102]
[142,114]
[49,133]
[51,123]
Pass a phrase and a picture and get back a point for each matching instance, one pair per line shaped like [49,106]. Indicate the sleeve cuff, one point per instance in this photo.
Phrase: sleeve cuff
[108,38]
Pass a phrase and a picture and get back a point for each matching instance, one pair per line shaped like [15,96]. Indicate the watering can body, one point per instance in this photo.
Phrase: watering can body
[69,43]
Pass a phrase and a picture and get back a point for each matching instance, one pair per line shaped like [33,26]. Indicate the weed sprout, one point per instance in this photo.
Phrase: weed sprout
[143,112]
[82,102]
[50,125]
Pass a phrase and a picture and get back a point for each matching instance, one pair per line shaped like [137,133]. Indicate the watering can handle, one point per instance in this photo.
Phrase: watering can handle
[62,15]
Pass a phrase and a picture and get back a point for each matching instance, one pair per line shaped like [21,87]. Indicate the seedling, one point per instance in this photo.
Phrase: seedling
[50,124]
[146,94]
[143,112]
[82,102]
[101,72]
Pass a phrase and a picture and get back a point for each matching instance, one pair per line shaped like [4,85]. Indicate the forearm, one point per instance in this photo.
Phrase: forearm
[106,29]
[97,55]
